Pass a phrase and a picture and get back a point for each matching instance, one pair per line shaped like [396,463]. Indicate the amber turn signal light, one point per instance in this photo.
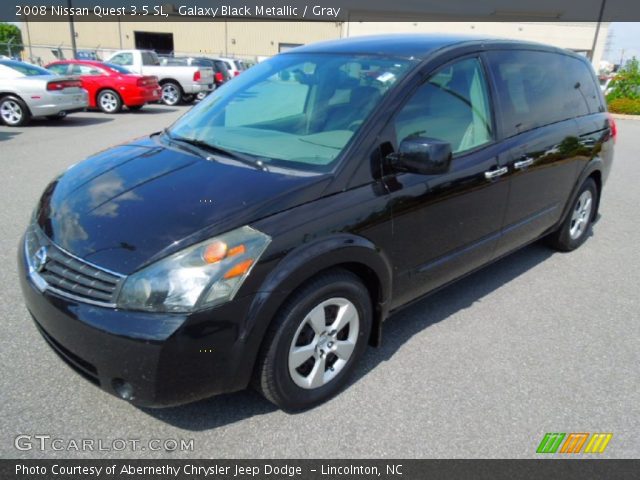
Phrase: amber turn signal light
[239,269]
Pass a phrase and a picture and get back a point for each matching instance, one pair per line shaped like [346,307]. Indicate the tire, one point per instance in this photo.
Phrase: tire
[171,94]
[300,341]
[13,111]
[576,228]
[188,99]
[135,108]
[109,101]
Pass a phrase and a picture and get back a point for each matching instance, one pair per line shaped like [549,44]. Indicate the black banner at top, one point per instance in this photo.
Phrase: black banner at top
[319,10]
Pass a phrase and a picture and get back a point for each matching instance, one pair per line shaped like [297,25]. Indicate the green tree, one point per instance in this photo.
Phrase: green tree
[626,84]
[10,40]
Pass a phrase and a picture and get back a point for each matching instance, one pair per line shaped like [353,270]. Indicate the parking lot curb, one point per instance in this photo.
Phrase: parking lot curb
[622,116]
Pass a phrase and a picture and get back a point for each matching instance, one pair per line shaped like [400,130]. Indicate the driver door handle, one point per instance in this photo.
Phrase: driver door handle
[523,163]
[491,174]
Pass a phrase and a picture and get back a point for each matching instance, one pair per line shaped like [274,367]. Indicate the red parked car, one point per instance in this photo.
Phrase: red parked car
[110,86]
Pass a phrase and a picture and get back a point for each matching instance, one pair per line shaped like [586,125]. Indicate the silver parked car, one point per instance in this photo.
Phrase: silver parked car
[28,91]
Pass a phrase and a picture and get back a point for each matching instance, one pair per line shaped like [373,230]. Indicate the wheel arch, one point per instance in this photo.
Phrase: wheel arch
[593,170]
[102,89]
[347,251]
[171,80]
[7,93]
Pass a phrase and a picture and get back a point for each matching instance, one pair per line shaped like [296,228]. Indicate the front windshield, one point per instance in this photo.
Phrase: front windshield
[294,110]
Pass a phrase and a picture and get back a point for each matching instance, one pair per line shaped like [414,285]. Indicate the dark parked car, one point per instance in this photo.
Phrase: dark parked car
[266,235]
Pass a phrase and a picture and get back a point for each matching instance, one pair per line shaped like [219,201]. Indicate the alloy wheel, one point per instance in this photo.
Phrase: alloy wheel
[108,102]
[170,94]
[11,112]
[581,215]
[323,343]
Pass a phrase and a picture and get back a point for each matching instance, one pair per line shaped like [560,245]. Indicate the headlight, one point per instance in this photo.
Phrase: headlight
[202,275]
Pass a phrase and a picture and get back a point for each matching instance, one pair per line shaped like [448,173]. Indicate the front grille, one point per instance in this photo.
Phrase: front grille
[68,275]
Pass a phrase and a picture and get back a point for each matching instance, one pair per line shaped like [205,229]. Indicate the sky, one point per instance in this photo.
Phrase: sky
[623,35]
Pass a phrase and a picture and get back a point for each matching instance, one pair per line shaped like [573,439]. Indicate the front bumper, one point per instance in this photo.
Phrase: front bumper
[163,359]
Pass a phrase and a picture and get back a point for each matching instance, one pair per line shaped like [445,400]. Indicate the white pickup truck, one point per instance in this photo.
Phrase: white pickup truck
[179,83]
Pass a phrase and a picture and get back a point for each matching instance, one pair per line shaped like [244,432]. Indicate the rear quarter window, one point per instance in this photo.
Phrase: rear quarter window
[148,58]
[540,88]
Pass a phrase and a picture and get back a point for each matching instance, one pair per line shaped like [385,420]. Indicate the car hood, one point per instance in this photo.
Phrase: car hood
[128,206]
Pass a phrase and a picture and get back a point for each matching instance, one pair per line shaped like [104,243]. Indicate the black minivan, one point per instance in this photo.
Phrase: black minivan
[265,236]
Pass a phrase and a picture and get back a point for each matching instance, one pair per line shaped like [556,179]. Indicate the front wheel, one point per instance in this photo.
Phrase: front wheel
[315,341]
[576,227]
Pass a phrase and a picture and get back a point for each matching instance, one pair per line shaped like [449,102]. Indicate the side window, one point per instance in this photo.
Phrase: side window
[452,105]
[122,59]
[149,58]
[584,82]
[535,89]
[60,69]
[85,70]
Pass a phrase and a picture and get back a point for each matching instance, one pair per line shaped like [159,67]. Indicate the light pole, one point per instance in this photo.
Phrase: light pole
[72,30]
[595,37]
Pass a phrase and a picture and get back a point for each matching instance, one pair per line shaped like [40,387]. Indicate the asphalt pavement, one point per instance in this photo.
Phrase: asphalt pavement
[537,342]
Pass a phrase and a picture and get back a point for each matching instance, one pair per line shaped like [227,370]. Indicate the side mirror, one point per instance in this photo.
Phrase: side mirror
[425,156]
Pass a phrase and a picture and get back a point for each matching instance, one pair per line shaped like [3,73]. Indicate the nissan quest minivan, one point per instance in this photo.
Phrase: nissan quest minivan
[265,236]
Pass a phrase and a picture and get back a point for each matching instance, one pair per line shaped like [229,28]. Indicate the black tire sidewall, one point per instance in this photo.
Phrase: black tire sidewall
[565,239]
[291,396]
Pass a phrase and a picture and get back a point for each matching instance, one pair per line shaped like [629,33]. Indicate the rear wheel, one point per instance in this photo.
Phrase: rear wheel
[315,341]
[13,111]
[577,226]
[109,101]
[171,93]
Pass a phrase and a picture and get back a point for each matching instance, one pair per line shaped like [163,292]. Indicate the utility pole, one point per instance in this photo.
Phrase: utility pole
[595,37]
[72,30]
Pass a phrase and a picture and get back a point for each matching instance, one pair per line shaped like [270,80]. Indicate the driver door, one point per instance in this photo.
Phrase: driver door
[447,225]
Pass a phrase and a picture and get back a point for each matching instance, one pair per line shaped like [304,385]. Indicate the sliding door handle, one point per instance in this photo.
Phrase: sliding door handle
[523,163]
[491,174]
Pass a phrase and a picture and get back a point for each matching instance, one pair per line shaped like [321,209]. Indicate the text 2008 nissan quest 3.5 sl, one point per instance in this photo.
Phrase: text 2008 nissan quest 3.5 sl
[265,236]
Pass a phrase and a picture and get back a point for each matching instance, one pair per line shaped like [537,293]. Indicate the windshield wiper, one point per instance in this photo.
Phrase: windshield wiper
[202,145]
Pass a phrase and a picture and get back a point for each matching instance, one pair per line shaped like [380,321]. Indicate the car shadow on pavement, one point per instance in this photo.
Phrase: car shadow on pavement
[8,134]
[150,109]
[398,329]
[70,121]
